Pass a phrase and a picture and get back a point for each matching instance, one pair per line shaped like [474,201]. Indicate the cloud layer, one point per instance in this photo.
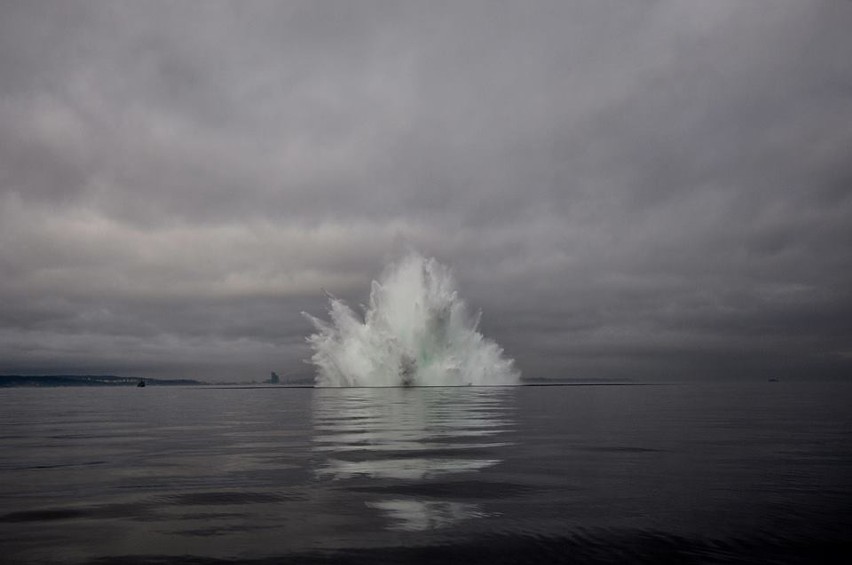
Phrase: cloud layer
[656,189]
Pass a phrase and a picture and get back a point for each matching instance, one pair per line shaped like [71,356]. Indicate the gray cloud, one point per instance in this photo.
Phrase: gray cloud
[656,189]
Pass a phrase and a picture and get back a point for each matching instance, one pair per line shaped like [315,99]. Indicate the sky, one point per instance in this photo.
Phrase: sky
[633,189]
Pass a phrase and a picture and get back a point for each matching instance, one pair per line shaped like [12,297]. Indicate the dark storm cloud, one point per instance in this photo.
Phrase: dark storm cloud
[658,189]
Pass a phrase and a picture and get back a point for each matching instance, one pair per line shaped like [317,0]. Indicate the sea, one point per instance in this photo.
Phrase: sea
[756,472]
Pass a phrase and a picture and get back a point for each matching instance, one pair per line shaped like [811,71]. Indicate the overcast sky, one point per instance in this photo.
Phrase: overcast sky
[647,189]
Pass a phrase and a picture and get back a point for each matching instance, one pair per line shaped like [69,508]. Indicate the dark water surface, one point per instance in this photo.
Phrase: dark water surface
[581,474]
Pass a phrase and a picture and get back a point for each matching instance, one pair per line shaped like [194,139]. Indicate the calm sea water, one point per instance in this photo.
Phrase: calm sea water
[580,474]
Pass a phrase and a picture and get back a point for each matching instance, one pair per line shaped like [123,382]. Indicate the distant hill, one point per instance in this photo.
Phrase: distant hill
[86,380]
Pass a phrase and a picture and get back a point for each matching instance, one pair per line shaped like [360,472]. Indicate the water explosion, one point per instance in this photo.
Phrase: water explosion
[415,332]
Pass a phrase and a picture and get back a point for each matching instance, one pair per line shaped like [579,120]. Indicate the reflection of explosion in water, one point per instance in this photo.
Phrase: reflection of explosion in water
[396,434]
[416,331]
[414,449]
[418,515]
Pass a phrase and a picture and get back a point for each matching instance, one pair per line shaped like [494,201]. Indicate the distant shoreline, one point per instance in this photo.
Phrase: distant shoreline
[36,381]
[54,381]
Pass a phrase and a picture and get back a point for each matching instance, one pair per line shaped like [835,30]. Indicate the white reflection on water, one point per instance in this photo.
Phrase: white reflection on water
[419,515]
[411,435]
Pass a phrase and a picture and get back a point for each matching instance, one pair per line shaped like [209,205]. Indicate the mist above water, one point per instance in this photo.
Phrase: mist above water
[415,331]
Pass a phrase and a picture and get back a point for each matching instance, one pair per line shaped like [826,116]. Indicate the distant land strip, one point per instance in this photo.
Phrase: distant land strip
[87,380]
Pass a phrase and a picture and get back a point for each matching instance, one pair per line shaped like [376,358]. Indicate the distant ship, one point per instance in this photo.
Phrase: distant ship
[140,384]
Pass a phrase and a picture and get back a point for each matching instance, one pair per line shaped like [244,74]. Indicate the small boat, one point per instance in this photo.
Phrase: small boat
[140,384]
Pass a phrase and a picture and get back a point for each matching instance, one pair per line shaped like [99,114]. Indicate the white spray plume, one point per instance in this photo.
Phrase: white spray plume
[415,332]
